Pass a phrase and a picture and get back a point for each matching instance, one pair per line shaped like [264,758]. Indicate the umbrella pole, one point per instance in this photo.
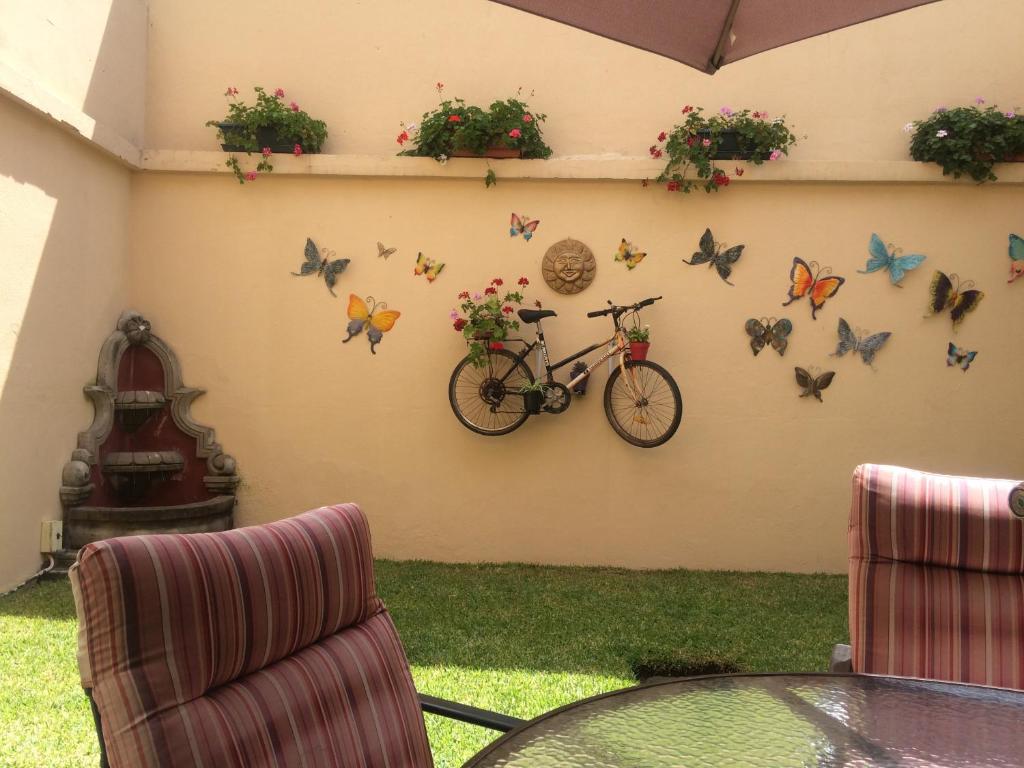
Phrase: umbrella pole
[716,57]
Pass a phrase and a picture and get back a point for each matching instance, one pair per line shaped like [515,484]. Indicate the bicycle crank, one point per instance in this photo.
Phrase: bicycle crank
[558,398]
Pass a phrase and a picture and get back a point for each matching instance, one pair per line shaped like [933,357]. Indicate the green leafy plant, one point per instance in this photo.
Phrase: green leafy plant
[261,126]
[638,334]
[534,386]
[967,140]
[693,145]
[486,318]
[455,126]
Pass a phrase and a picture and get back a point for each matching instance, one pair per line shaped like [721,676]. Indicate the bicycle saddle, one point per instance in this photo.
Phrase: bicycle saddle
[534,315]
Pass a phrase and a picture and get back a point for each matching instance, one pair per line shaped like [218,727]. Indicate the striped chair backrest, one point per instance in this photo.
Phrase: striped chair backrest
[254,647]
[936,577]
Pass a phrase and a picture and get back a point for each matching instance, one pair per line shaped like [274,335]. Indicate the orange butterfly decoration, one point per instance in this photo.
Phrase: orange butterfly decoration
[376,320]
[814,282]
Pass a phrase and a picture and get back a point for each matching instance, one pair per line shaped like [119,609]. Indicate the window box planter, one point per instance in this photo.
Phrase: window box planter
[266,137]
[494,153]
[730,148]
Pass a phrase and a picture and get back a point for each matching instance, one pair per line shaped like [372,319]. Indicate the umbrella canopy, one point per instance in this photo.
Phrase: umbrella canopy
[706,34]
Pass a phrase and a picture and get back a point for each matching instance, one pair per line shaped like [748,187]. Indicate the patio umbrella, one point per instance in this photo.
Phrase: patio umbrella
[707,34]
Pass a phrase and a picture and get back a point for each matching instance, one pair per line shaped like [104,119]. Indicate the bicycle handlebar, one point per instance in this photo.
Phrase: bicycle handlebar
[615,310]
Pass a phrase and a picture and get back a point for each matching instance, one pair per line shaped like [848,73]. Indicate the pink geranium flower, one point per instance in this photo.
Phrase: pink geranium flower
[250,176]
[775,155]
[294,106]
[267,151]
[297,150]
[231,91]
[527,118]
[279,93]
[706,143]
[515,133]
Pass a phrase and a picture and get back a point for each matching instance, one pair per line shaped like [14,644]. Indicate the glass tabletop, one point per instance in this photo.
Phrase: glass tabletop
[774,721]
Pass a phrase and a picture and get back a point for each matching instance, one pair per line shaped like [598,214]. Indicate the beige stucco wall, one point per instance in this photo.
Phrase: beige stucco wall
[63,247]
[67,56]
[755,478]
[363,67]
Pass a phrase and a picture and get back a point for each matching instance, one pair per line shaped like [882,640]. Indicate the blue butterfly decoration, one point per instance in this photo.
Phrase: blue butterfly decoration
[883,258]
[959,356]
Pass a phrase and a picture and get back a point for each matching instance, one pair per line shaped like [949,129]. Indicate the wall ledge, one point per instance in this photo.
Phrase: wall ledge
[578,167]
[28,93]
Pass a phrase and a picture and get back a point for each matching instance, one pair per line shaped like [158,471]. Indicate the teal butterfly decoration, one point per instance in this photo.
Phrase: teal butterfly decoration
[882,258]
[959,356]
[1016,257]
[323,266]
[867,346]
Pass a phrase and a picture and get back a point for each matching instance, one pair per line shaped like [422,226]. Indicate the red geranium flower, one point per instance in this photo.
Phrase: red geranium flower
[720,179]
[497,281]
[523,281]
[496,345]
[460,324]
[690,141]
[464,295]
[490,290]
[672,186]
[507,310]
[454,119]
[687,108]
[662,136]
[403,137]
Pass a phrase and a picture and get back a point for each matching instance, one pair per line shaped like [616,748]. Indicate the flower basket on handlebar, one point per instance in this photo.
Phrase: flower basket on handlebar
[638,349]
[639,341]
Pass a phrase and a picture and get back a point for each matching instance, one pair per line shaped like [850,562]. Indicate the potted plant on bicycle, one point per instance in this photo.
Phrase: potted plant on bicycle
[486,318]
[269,126]
[699,141]
[533,394]
[639,341]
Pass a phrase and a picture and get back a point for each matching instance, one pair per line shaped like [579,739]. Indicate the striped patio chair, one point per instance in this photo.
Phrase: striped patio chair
[936,577]
[261,646]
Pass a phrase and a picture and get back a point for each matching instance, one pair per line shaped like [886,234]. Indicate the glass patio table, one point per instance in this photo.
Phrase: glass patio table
[774,721]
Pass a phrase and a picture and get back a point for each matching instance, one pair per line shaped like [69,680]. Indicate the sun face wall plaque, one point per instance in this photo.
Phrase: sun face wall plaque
[569,266]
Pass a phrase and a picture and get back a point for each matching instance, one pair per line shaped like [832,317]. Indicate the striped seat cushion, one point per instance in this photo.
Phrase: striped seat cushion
[254,647]
[936,577]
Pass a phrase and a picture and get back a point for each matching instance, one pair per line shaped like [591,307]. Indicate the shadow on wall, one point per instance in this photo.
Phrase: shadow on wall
[64,210]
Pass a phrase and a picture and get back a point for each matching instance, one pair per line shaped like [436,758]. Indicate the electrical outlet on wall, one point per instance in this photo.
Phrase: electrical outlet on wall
[51,537]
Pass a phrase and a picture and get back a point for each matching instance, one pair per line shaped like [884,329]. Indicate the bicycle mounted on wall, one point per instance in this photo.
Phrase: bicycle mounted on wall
[641,399]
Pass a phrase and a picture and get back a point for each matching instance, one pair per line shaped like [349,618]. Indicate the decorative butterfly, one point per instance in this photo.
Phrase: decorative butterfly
[868,346]
[520,226]
[376,320]
[428,267]
[819,286]
[882,258]
[768,330]
[958,356]
[322,266]
[711,253]
[1016,257]
[629,255]
[383,252]
[945,296]
[813,385]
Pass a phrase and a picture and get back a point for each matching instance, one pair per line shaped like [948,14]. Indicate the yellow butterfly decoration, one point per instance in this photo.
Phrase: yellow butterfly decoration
[375,319]
[428,267]
[629,254]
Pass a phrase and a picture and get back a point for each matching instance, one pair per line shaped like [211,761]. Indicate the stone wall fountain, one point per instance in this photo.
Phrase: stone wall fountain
[143,466]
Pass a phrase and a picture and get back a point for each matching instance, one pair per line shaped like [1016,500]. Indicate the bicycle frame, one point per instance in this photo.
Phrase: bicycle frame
[619,338]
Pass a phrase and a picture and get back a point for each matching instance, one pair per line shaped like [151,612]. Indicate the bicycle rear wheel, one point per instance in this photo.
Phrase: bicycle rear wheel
[486,399]
[644,407]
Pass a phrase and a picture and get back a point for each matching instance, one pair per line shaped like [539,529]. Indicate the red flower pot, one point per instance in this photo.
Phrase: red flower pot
[638,349]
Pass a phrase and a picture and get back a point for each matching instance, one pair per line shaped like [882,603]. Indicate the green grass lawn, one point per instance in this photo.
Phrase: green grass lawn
[514,638]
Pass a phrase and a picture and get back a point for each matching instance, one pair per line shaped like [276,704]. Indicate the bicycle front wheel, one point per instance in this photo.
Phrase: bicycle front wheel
[486,399]
[644,407]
